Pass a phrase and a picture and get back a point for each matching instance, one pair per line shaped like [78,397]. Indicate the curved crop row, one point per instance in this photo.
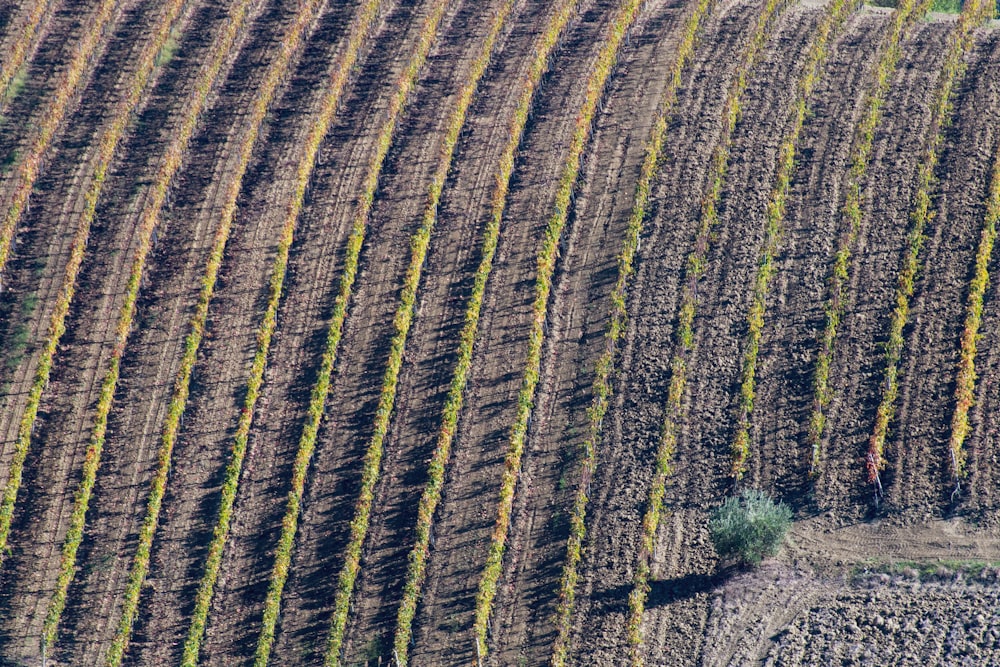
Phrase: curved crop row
[902,18]
[140,564]
[974,13]
[107,145]
[431,496]
[52,118]
[602,387]
[265,332]
[360,31]
[15,57]
[547,256]
[401,323]
[372,461]
[837,14]
[694,269]
[965,383]
[106,150]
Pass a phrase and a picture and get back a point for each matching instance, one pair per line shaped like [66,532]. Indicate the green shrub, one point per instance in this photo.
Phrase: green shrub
[749,527]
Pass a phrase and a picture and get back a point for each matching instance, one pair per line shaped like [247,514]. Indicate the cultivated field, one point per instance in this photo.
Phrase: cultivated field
[430,332]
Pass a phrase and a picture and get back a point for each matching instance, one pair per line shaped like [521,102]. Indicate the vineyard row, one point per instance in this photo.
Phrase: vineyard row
[775,214]
[20,51]
[973,14]
[694,269]
[602,386]
[53,115]
[902,19]
[431,495]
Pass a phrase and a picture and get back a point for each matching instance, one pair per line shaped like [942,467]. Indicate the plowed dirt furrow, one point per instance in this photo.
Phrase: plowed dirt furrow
[26,150]
[24,27]
[965,375]
[704,462]
[795,309]
[190,509]
[750,611]
[695,268]
[977,373]
[205,192]
[851,219]
[859,360]
[619,487]
[602,388]
[982,488]
[466,515]
[937,311]
[939,623]
[523,629]
[6,18]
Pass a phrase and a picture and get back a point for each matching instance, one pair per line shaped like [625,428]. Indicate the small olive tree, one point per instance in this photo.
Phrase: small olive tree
[749,527]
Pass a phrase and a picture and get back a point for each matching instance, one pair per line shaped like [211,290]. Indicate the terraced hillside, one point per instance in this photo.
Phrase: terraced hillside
[430,332]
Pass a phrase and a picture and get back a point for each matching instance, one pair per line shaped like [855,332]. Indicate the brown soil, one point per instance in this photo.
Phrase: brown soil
[852,595]
[900,583]
[898,620]
[14,20]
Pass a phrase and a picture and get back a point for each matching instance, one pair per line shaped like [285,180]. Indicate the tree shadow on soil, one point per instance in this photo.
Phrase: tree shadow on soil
[663,592]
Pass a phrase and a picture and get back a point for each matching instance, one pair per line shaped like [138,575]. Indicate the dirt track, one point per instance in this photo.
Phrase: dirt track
[833,594]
